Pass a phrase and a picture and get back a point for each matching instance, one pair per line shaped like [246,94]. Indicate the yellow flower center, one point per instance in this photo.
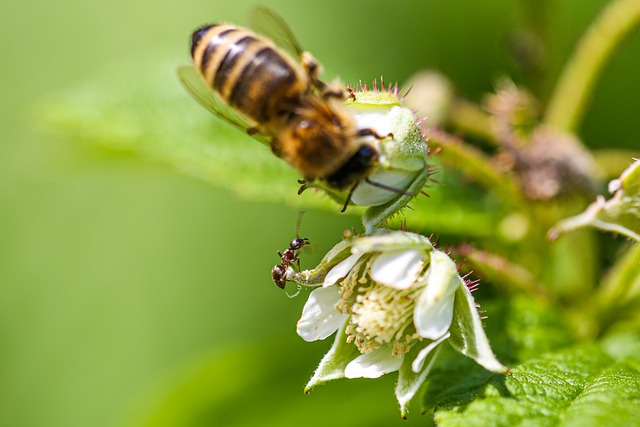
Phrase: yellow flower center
[380,315]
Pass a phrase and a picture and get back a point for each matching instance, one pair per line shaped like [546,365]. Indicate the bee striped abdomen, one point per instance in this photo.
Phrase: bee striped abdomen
[245,70]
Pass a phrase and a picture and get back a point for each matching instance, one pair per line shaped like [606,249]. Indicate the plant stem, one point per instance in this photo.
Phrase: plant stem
[619,294]
[568,101]
[508,276]
[470,119]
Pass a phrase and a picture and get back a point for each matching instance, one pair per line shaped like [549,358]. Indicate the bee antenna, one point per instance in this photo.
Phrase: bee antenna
[386,187]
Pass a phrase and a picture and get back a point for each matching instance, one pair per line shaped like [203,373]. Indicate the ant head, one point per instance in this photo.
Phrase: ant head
[298,243]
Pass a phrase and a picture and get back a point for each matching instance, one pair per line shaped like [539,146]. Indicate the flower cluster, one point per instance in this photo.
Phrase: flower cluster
[393,299]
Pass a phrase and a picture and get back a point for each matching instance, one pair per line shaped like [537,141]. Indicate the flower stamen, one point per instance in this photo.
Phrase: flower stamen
[380,316]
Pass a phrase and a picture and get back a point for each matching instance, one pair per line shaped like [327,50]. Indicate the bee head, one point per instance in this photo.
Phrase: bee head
[355,168]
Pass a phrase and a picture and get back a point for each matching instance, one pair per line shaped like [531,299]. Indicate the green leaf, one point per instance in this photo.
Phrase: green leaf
[623,345]
[521,329]
[610,398]
[585,384]
[577,386]
[155,118]
[524,328]
[620,214]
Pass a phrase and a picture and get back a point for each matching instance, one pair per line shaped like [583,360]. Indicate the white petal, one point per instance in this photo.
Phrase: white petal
[384,240]
[398,269]
[374,364]
[418,362]
[341,270]
[434,309]
[319,315]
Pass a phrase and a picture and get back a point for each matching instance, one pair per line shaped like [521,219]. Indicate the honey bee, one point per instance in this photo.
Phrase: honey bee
[273,92]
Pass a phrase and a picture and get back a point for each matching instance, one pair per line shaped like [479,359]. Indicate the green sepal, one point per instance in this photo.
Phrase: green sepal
[315,276]
[409,382]
[333,363]
[467,334]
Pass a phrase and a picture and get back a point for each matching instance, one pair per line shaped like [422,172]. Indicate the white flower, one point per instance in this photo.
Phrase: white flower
[394,300]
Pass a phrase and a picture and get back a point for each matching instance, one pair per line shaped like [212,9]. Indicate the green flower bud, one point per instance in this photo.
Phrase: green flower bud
[401,170]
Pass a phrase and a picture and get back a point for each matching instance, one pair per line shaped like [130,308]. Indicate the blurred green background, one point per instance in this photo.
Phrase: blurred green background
[131,294]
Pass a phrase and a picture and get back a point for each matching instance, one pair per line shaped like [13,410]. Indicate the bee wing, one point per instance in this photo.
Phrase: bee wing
[268,23]
[212,102]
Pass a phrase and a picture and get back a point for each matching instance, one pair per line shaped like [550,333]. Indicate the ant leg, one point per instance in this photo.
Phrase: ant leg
[373,133]
[351,94]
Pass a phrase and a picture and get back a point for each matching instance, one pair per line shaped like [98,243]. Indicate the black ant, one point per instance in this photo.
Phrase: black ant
[289,257]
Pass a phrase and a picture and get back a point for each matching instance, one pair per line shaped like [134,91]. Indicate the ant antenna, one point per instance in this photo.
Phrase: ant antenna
[299,221]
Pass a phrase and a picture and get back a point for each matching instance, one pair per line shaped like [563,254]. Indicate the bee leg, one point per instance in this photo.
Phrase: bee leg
[304,185]
[336,91]
[386,187]
[313,69]
[373,133]
[329,93]
[346,203]
[253,130]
